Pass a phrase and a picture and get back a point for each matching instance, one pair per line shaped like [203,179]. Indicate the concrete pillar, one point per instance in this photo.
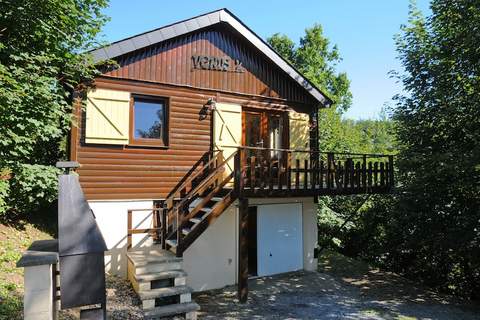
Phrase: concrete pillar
[38,298]
[40,280]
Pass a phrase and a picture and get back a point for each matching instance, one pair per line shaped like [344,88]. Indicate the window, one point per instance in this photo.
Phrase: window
[148,124]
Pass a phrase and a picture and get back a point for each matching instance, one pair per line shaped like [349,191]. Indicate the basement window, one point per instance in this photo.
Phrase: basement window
[148,121]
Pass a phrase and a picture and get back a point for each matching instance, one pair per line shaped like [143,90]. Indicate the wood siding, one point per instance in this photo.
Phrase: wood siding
[111,172]
[171,62]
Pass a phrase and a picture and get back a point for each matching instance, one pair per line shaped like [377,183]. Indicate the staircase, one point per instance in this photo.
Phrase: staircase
[157,277]
[197,202]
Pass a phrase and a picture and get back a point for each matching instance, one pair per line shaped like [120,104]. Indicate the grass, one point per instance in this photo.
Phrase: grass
[15,238]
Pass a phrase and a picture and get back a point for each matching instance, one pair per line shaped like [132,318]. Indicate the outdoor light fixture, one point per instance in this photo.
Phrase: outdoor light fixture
[210,104]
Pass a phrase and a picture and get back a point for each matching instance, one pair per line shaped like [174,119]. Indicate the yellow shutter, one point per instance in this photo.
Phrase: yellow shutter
[227,130]
[299,131]
[107,117]
[299,138]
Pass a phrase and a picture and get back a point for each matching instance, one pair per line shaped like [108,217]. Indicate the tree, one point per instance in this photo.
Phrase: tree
[430,229]
[439,133]
[40,63]
[317,60]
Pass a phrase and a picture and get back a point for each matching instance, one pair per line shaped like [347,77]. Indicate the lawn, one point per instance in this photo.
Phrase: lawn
[14,240]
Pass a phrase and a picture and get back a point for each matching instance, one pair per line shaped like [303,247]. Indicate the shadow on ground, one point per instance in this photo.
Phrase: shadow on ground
[334,293]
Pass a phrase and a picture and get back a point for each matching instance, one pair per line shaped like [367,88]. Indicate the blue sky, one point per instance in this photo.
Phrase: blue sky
[363,30]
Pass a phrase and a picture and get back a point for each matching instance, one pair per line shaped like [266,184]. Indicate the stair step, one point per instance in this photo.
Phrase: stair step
[206,209]
[195,220]
[172,243]
[151,255]
[160,275]
[171,310]
[186,231]
[164,292]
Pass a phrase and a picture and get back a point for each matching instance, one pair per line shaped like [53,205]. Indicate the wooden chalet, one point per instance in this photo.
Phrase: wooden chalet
[203,142]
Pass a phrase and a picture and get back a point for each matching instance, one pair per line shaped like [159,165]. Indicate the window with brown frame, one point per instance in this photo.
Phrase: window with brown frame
[149,121]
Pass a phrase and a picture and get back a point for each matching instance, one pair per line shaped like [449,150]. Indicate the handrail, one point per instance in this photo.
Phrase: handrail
[311,151]
[173,213]
[133,230]
[190,178]
[193,191]
[182,182]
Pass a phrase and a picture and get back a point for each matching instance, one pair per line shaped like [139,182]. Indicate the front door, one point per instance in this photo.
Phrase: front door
[265,132]
[265,129]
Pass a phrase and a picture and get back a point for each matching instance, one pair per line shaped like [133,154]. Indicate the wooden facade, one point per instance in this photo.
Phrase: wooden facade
[166,70]
[173,62]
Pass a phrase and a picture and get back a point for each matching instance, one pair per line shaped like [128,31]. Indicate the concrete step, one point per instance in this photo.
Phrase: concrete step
[143,257]
[143,282]
[172,243]
[164,292]
[160,275]
[171,310]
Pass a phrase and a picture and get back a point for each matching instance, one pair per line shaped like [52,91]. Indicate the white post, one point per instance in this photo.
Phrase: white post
[39,301]
[38,298]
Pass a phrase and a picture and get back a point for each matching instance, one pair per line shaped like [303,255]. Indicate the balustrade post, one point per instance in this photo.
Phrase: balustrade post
[330,170]
[391,178]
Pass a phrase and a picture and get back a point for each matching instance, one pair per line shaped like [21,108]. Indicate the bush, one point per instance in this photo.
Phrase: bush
[32,187]
[4,190]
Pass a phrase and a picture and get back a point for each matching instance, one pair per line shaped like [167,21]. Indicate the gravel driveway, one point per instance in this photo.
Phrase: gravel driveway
[342,289]
[369,294]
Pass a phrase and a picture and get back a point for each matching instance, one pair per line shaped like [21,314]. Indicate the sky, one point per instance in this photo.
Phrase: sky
[363,30]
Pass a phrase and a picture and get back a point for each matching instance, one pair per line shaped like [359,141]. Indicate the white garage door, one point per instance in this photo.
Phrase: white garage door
[279,238]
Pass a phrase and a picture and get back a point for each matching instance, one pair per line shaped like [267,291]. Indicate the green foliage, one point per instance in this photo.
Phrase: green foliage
[439,130]
[430,229]
[33,186]
[317,60]
[12,304]
[40,65]
[4,189]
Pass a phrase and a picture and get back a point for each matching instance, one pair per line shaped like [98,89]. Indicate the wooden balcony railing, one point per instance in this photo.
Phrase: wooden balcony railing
[278,172]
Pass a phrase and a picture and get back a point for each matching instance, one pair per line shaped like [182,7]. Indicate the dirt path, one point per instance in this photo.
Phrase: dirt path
[363,294]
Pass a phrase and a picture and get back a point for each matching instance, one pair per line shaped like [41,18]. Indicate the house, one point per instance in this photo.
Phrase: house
[204,137]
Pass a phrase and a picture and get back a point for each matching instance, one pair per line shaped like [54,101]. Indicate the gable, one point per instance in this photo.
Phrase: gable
[168,39]
[215,58]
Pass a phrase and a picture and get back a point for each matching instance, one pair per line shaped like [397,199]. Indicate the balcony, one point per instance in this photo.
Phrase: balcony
[261,172]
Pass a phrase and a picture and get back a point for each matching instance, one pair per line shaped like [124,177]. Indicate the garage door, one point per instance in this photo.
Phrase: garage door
[279,238]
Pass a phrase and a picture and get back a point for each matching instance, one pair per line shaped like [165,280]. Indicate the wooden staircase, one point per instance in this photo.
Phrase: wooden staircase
[197,202]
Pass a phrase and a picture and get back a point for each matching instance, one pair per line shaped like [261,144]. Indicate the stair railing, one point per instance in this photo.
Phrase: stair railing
[213,183]
[199,171]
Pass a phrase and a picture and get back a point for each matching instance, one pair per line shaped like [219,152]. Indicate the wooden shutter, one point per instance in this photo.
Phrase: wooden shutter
[299,131]
[299,138]
[227,130]
[107,117]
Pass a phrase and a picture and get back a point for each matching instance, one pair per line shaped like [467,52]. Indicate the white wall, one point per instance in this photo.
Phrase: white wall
[210,261]
[111,218]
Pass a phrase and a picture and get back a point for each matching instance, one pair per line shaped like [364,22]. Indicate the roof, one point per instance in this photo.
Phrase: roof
[152,37]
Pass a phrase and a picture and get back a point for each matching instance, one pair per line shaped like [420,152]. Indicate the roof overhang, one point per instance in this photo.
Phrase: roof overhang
[149,38]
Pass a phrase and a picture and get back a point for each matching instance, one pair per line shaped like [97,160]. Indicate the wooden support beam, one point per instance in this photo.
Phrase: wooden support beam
[243,250]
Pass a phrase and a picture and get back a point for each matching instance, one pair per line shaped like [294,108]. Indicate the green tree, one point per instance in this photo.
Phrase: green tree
[40,64]
[317,60]
[439,134]
[430,229]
